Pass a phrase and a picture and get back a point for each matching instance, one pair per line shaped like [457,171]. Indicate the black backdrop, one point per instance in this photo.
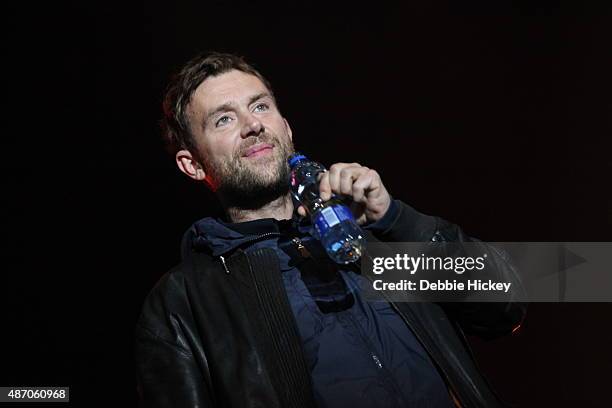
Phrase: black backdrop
[494,117]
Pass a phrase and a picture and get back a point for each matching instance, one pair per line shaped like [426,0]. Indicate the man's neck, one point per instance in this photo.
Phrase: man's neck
[279,209]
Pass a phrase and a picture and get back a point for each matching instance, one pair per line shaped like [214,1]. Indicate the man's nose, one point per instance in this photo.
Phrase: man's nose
[252,127]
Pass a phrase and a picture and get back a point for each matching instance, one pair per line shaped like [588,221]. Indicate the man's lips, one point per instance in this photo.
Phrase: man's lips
[254,150]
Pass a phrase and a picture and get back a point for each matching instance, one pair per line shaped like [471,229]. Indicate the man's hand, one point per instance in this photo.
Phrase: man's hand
[370,199]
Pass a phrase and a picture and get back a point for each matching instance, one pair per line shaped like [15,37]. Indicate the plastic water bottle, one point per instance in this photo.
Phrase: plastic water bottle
[333,221]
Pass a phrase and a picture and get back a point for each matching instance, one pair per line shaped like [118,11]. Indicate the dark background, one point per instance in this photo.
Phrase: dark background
[494,117]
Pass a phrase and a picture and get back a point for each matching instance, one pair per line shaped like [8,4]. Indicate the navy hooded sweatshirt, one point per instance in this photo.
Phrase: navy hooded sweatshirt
[360,354]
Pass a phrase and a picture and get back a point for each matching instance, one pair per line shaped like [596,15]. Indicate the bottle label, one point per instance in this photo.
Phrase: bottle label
[330,216]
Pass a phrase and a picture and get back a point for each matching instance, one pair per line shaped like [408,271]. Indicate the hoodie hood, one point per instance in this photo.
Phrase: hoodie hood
[217,237]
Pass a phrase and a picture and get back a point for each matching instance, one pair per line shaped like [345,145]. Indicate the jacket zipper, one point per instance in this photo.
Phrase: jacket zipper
[257,238]
[373,353]
[296,241]
[249,241]
[383,373]
[301,248]
[428,349]
[224,264]
[453,391]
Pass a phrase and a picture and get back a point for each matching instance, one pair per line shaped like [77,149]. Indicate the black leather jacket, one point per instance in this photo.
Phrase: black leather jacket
[209,338]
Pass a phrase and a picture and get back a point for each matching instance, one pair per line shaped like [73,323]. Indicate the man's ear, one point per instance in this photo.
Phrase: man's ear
[188,165]
[192,168]
[289,131]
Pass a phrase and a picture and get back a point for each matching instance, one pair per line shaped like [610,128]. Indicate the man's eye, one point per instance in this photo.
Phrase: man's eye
[223,120]
[260,107]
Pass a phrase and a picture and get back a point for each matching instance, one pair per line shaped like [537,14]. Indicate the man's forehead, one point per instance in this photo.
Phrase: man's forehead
[233,87]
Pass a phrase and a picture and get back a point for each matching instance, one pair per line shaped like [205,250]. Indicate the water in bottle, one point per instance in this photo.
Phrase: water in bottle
[333,221]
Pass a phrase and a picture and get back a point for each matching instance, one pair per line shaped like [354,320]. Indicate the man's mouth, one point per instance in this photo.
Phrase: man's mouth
[258,150]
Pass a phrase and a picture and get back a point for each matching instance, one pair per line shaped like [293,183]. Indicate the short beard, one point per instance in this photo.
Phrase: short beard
[238,186]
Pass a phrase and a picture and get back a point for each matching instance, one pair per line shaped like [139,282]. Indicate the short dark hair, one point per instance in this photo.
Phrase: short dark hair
[175,123]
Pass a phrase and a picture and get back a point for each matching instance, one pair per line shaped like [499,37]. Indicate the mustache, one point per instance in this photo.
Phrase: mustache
[262,138]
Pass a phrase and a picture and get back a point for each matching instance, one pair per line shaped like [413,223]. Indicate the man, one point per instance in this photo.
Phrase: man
[256,315]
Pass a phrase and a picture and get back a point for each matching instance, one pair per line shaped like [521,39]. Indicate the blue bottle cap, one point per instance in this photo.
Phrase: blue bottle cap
[295,159]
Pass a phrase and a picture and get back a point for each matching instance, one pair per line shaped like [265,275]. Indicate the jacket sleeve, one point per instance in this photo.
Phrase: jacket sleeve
[403,223]
[167,374]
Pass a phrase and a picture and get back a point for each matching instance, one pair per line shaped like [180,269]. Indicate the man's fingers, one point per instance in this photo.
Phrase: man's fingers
[341,177]
[334,178]
[365,182]
[325,190]
[363,185]
[348,177]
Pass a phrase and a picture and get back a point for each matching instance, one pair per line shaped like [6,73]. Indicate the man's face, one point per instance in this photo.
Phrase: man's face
[242,139]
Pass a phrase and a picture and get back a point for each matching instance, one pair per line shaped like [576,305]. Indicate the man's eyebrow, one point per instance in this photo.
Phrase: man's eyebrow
[220,108]
[259,96]
[229,105]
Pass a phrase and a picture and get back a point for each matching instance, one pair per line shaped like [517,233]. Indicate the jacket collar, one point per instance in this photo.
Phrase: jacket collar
[219,237]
